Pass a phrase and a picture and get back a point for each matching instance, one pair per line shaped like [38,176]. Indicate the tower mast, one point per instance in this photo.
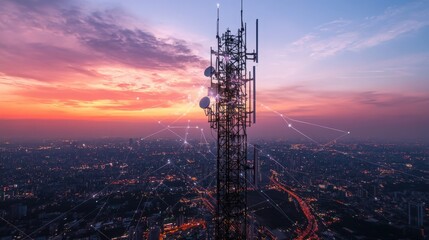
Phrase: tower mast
[230,107]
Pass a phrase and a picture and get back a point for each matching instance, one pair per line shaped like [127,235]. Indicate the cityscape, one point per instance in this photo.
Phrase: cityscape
[214,120]
[159,188]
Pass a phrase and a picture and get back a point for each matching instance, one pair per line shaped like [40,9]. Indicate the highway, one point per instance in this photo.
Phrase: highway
[310,231]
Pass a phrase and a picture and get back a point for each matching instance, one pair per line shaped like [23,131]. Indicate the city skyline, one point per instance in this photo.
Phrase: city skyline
[107,68]
[118,188]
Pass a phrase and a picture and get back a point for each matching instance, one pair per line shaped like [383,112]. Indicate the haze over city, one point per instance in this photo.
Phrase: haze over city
[115,68]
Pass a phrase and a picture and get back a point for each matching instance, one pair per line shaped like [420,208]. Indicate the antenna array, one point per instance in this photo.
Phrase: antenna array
[231,107]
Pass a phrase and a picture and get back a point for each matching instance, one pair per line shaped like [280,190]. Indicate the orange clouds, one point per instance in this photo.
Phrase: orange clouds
[59,61]
[304,102]
[62,61]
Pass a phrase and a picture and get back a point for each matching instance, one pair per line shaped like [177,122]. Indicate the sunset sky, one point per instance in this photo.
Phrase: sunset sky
[115,68]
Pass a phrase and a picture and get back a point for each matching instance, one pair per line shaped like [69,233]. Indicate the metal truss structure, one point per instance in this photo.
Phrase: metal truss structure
[231,108]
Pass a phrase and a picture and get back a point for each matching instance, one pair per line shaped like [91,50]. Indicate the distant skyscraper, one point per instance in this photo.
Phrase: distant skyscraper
[415,214]
[135,233]
[257,177]
[154,233]
[2,195]
[210,226]
[18,211]
[131,143]
[181,217]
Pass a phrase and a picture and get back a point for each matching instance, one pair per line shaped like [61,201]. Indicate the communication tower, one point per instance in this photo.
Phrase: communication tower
[231,107]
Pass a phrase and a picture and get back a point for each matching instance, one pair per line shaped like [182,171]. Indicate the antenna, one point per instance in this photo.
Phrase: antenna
[211,61]
[254,93]
[231,108]
[241,13]
[257,47]
[209,71]
[217,32]
[204,102]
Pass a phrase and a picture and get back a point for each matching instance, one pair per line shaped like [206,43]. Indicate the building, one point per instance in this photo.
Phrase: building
[415,214]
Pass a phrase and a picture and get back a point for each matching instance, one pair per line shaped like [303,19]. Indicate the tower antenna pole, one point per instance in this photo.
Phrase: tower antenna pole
[230,110]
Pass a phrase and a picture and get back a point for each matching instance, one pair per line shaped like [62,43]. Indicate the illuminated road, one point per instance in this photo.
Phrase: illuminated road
[310,231]
[184,227]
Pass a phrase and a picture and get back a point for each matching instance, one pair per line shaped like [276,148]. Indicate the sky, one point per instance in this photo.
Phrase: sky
[121,68]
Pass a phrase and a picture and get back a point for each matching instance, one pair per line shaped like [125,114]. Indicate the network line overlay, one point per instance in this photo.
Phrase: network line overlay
[230,106]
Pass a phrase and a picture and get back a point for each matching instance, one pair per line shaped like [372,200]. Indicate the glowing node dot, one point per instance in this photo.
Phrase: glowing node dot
[348,132]
[159,122]
[289,125]
[137,98]
[281,115]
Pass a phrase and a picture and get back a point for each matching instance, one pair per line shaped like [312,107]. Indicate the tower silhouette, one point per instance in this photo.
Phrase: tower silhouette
[231,108]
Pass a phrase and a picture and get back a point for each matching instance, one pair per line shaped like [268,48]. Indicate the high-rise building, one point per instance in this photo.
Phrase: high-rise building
[154,233]
[135,233]
[18,211]
[415,214]
[2,195]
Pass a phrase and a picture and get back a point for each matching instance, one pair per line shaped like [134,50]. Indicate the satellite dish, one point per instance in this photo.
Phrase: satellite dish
[204,102]
[209,71]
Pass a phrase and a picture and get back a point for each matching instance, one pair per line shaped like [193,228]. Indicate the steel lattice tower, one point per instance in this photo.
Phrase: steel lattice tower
[230,110]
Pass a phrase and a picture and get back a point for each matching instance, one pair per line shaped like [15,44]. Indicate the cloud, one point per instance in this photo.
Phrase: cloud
[389,99]
[302,101]
[389,34]
[337,25]
[343,35]
[100,32]
[329,47]
[58,37]
[60,55]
